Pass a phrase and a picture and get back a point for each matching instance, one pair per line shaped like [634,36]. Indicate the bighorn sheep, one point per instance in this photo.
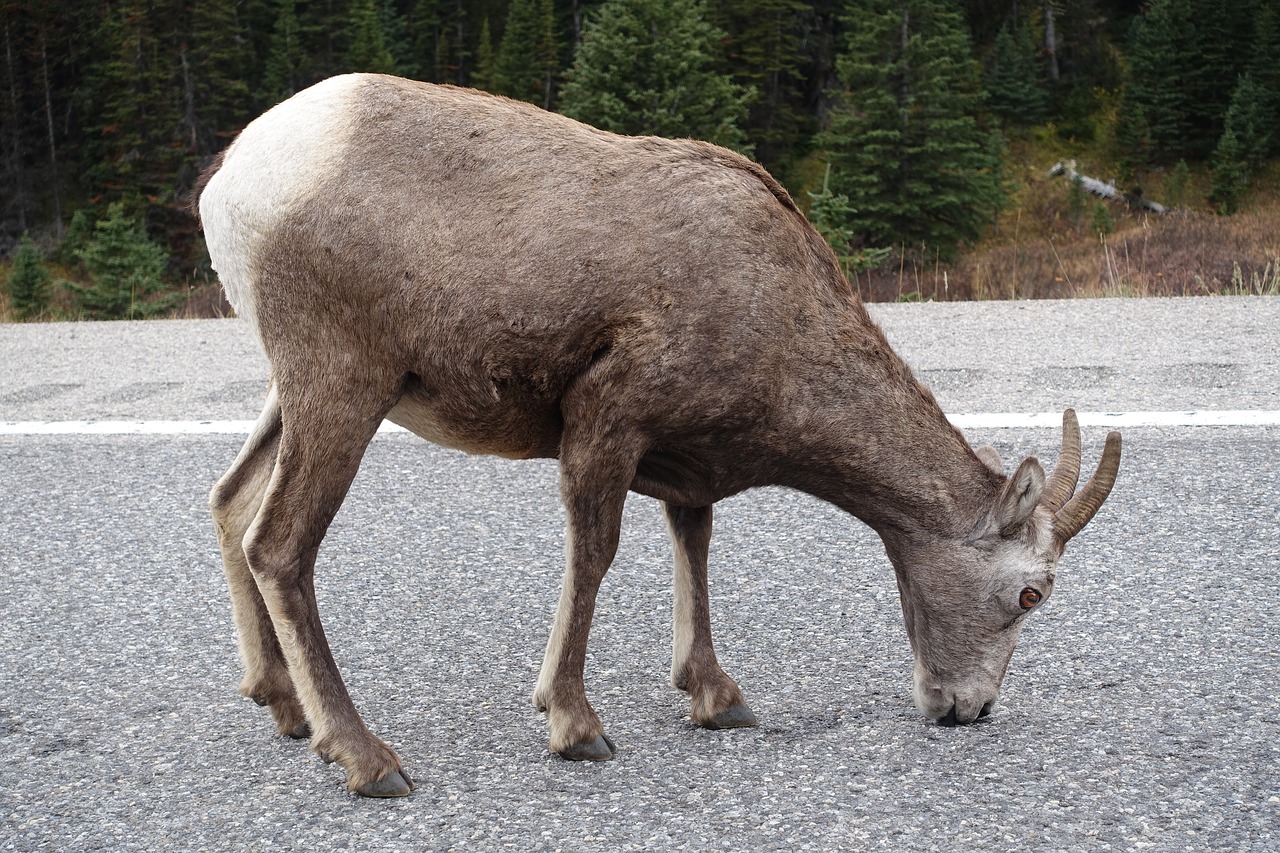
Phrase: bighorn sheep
[656,314]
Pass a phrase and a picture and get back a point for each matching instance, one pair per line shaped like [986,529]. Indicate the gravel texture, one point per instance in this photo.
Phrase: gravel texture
[1140,711]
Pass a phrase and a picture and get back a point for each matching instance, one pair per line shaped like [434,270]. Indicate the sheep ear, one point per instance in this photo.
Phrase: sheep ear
[1020,496]
[991,458]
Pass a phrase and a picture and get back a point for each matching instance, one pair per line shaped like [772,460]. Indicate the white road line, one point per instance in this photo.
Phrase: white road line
[1213,417]
[986,420]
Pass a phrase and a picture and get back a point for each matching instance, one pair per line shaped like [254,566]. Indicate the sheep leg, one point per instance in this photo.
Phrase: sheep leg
[716,701]
[594,476]
[234,502]
[326,426]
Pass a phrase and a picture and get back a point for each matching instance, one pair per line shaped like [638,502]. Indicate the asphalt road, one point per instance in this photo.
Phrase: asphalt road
[1141,710]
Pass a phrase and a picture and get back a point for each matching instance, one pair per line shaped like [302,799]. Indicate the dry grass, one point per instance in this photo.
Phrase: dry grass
[1046,250]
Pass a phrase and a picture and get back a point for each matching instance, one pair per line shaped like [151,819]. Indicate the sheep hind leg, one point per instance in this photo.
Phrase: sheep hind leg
[594,490]
[715,700]
[328,422]
[234,502]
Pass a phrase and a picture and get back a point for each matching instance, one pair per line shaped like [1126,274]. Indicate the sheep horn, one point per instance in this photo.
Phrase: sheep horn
[1080,509]
[1062,482]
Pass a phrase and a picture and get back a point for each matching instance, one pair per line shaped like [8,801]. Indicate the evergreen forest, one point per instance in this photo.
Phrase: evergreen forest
[918,134]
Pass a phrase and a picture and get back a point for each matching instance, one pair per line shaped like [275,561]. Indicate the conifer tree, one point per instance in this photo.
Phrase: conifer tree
[906,146]
[528,56]
[1154,118]
[763,52]
[125,268]
[482,74]
[1264,68]
[216,99]
[133,106]
[1230,176]
[1247,119]
[368,49]
[1013,88]
[28,281]
[648,67]
[287,58]
[1175,186]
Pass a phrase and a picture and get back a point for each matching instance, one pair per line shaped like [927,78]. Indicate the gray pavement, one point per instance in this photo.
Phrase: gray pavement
[1140,711]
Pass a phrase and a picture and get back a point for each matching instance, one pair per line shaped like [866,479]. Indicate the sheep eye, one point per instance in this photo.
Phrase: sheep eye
[1029,598]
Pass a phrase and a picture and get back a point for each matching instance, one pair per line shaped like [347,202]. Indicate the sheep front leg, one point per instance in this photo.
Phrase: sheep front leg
[716,701]
[594,484]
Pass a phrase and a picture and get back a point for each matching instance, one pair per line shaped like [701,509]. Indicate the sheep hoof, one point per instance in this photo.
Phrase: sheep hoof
[395,784]
[737,717]
[600,749]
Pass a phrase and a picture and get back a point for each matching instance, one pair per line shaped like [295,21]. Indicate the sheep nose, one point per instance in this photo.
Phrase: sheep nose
[950,719]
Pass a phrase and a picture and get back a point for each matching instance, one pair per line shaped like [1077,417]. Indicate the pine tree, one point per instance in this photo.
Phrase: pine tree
[1175,186]
[1075,200]
[286,58]
[763,52]
[368,50]
[1248,119]
[28,281]
[133,105]
[482,75]
[1230,176]
[1101,223]
[1264,68]
[126,270]
[647,67]
[1013,90]
[216,99]
[1154,116]
[1218,54]
[906,146]
[528,56]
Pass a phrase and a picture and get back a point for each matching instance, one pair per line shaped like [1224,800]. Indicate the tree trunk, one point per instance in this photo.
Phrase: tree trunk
[1050,40]
[15,137]
[55,181]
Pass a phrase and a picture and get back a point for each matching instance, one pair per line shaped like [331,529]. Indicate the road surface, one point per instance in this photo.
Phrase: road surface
[1141,710]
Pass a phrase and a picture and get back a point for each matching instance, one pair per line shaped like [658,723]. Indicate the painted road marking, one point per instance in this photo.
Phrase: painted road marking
[985,420]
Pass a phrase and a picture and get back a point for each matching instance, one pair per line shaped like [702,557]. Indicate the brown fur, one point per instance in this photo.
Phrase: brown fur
[659,316]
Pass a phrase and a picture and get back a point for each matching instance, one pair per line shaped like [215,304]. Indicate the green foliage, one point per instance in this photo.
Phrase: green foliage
[1175,186]
[1230,175]
[1184,59]
[1264,68]
[1248,118]
[79,232]
[906,144]
[763,51]
[648,67]
[526,63]
[134,106]
[482,75]
[1101,223]
[1013,89]
[1076,199]
[287,59]
[829,212]
[125,268]
[368,49]
[28,282]
[1154,119]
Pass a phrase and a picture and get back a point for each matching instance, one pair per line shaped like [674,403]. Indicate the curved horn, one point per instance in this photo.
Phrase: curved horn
[1062,482]
[1080,509]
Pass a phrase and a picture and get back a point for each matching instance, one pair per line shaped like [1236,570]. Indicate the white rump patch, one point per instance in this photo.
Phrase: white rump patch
[277,165]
